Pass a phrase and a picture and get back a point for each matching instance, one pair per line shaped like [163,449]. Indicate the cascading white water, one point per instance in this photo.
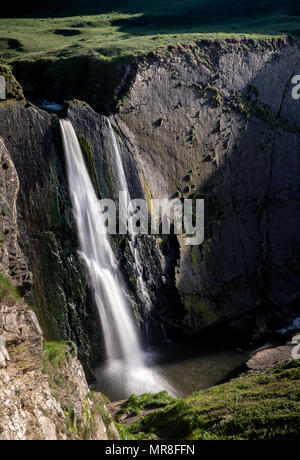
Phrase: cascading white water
[125,371]
[133,241]
[120,335]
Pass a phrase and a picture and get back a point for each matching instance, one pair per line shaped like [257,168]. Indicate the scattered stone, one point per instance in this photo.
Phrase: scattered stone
[270,358]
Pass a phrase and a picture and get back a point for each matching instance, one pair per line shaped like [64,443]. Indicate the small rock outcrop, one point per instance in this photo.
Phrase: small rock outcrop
[25,395]
[12,88]
[22,336]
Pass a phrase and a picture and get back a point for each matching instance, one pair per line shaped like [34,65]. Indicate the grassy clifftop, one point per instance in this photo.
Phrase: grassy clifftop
[112,29]
[251,407]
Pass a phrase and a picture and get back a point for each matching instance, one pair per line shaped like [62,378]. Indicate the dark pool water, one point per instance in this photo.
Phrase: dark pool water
[189,367]
[180,368]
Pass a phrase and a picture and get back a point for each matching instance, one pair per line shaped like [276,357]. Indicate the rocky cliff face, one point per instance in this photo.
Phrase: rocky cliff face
[159,255]
[36,218]
[37,406]
[43,394]
[211,120]
[13,263]
[217,121]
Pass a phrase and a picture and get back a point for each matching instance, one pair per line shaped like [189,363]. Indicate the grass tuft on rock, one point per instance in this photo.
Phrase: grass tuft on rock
[8,293]
[136,404]
[55,354]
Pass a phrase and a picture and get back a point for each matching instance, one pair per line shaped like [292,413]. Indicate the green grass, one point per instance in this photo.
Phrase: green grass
[8,293]
[135,404]
[55,354]
[252,407]
[112,29]
[61,53]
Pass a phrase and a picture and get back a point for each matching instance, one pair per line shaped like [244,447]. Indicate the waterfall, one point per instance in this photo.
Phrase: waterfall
[125,371]
[133,239]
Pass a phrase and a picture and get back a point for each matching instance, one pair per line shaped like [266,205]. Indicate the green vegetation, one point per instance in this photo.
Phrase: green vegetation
[8,293]
[90,162]
[135,404]
[55,355]
[250,108]
[251,407]
[112,29]
[205,315]
[195,259]
[100,402]
[109,180]
[82,51]
[13,88]
[56,359]
[85,426]
[133,281]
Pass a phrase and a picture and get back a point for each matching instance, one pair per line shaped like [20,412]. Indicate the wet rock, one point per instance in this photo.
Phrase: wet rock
[12,89]
[36,229]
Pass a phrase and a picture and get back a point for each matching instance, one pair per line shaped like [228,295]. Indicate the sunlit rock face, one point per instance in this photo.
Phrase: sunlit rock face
[30,408]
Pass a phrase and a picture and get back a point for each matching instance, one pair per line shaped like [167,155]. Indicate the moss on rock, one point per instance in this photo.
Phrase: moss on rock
[14,90]
[90,162]
[8,292]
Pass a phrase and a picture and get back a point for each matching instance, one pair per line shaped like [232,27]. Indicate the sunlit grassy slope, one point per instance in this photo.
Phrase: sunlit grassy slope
[115,28]
[251,407]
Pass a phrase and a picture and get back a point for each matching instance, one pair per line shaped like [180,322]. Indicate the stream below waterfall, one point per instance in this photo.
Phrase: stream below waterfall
[186,368]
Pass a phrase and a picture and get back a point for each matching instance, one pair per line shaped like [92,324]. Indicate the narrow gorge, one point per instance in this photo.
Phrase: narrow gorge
[212,120]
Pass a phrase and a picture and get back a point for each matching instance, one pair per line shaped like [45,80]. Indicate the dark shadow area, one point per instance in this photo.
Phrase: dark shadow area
[8,47]
[67,32]
[155,12]
[250,261]
[267,285]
